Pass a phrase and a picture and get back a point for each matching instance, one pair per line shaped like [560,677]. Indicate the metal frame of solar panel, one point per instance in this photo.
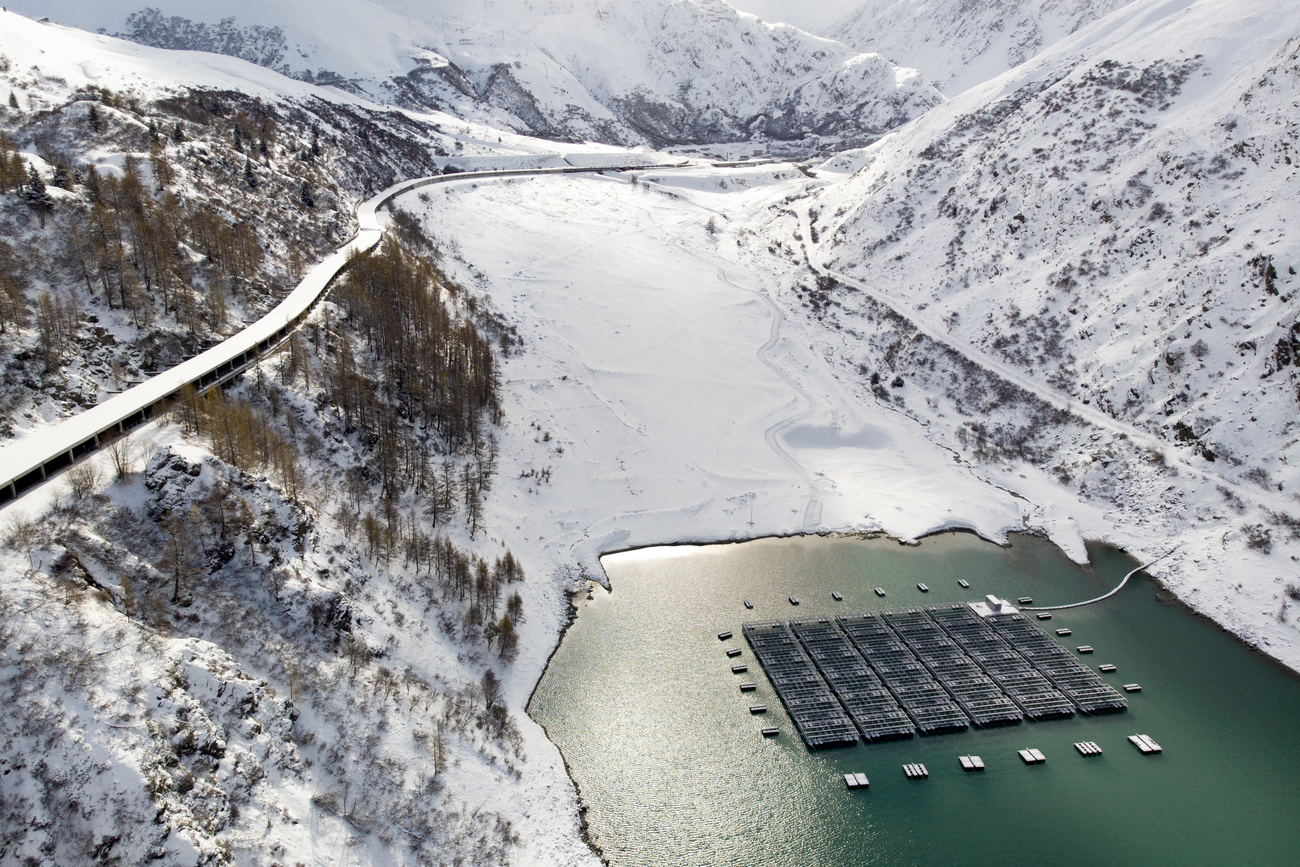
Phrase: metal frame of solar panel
[869,702]
[1025,685]
[816,713]
[929,705]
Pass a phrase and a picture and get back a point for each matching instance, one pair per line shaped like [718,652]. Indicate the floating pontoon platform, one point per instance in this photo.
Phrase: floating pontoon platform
[1144,744]
[916,771]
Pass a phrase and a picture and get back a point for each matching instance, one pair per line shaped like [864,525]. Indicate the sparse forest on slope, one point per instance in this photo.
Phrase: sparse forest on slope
[139,230]
[275,612]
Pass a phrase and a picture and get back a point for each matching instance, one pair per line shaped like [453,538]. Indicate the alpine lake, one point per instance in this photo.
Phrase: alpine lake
[672,769]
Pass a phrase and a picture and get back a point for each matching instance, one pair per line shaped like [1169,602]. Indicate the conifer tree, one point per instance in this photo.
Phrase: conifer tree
[304,196]
[36,196]
[250,179]
[13,300]
[13,99]
[92,184]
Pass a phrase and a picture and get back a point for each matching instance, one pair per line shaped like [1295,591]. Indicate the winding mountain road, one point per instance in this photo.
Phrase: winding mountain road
[40,455]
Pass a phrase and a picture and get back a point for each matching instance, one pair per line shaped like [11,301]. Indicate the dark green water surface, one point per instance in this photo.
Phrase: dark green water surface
[641,700]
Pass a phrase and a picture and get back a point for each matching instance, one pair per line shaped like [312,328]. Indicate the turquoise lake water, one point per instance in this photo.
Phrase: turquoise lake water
[641,700]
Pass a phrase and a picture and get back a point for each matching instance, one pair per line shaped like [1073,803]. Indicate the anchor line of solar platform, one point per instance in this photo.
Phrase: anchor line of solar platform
[892,674]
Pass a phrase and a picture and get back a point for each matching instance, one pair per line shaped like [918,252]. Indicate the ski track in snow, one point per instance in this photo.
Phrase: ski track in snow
[772,434]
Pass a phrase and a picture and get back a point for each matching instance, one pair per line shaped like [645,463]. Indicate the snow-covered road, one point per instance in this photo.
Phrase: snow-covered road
[1196,468]
[31,460]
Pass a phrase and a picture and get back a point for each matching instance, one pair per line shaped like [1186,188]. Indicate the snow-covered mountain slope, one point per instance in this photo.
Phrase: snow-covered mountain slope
[189,694]
[960,43]
[661,71]
[1113,219]
[1105,231]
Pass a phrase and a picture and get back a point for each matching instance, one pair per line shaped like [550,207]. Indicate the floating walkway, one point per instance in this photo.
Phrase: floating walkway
[1104,596]
[1088,748]
[971,763]
[816,713]
[868,702]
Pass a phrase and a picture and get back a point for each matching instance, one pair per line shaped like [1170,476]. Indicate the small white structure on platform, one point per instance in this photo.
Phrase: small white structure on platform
[993,605]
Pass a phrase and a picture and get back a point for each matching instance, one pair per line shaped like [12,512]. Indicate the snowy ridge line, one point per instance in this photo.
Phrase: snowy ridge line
[1044,392]
[40,455]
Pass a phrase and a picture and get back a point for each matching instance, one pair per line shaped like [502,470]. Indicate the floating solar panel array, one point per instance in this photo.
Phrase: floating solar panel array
[891,674]
[973,690]
[816,713]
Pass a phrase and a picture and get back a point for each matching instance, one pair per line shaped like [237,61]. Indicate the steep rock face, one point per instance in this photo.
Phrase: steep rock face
[960,43]
[662,72]
[1112,221]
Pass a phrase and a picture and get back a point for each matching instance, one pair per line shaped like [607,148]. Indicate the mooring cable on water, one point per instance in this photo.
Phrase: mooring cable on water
[1104,596]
